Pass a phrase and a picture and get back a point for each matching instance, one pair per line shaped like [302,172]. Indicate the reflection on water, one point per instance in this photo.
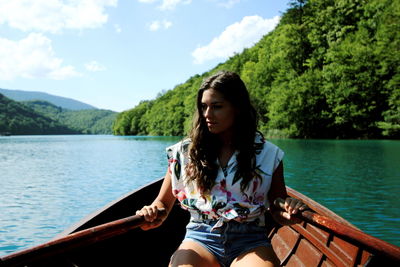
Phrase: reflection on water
[48,183]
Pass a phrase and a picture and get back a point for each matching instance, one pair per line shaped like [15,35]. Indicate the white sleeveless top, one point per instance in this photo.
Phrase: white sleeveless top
[225,201]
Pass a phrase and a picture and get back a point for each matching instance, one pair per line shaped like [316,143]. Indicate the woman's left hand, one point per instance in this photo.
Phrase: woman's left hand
[290,206]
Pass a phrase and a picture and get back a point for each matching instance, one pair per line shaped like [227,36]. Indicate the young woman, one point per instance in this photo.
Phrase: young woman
[227,176]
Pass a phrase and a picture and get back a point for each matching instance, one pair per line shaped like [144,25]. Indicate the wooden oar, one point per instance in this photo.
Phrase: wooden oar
[73,241]
[347,232]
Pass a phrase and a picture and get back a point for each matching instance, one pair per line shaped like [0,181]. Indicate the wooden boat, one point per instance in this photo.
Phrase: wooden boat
[107,238]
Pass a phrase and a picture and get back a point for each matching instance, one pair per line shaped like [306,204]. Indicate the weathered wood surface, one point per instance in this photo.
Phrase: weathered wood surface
[323,238]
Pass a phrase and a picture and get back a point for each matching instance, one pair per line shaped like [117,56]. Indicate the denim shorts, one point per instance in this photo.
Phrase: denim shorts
[228,241]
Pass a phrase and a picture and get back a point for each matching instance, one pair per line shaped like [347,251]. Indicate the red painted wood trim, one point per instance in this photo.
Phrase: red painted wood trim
[347,232]
[320,245]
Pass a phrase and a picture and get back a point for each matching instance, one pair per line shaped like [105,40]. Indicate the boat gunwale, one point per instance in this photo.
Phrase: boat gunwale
[317,207]
[74,227]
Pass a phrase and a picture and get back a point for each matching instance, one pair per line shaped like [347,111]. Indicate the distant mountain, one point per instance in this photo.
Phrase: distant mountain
[41,117]
[66,103]
[17,118]
[88,121]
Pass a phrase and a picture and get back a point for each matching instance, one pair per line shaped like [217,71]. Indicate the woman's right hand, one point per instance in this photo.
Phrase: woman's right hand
[156,213]
[153,215]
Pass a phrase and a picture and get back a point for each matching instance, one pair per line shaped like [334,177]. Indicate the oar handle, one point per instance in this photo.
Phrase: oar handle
[75,240]
[345,231]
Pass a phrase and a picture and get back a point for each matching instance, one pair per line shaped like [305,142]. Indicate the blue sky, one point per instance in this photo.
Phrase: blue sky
[114,53]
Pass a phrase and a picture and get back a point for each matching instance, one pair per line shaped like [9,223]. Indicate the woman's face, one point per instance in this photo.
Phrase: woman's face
[219,114]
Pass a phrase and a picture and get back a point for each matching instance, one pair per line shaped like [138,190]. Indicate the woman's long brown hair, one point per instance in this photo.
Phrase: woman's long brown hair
[205,146]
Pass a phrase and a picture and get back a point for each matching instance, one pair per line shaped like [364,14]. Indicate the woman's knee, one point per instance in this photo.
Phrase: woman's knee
[190,253]
[259,256]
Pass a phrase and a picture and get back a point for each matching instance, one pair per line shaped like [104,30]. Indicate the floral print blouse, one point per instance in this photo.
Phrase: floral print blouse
[225,201]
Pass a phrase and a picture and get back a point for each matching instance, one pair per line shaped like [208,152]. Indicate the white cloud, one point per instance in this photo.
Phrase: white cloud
[229,3]
[235,38]
[32,57]
[94,66]
[167,24]
[117,28]
[157,25]
[171,4]
[167,4]
[54,15]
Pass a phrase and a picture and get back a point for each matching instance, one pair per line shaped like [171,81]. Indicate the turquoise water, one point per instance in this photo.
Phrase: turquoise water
[357,179]
[48,183]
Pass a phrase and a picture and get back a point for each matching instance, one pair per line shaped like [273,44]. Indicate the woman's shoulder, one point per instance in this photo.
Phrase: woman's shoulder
[181,146]
[271,146]
[269,155]
[263,146]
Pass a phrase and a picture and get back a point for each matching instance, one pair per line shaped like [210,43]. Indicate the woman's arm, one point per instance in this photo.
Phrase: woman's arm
[278,190]
[164,200]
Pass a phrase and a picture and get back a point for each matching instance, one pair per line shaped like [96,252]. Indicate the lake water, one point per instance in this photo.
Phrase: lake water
[48,183]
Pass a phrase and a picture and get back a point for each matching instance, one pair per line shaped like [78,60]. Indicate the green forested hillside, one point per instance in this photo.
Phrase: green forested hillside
[16,118]
[331,69]
[41,117]
[88,121]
